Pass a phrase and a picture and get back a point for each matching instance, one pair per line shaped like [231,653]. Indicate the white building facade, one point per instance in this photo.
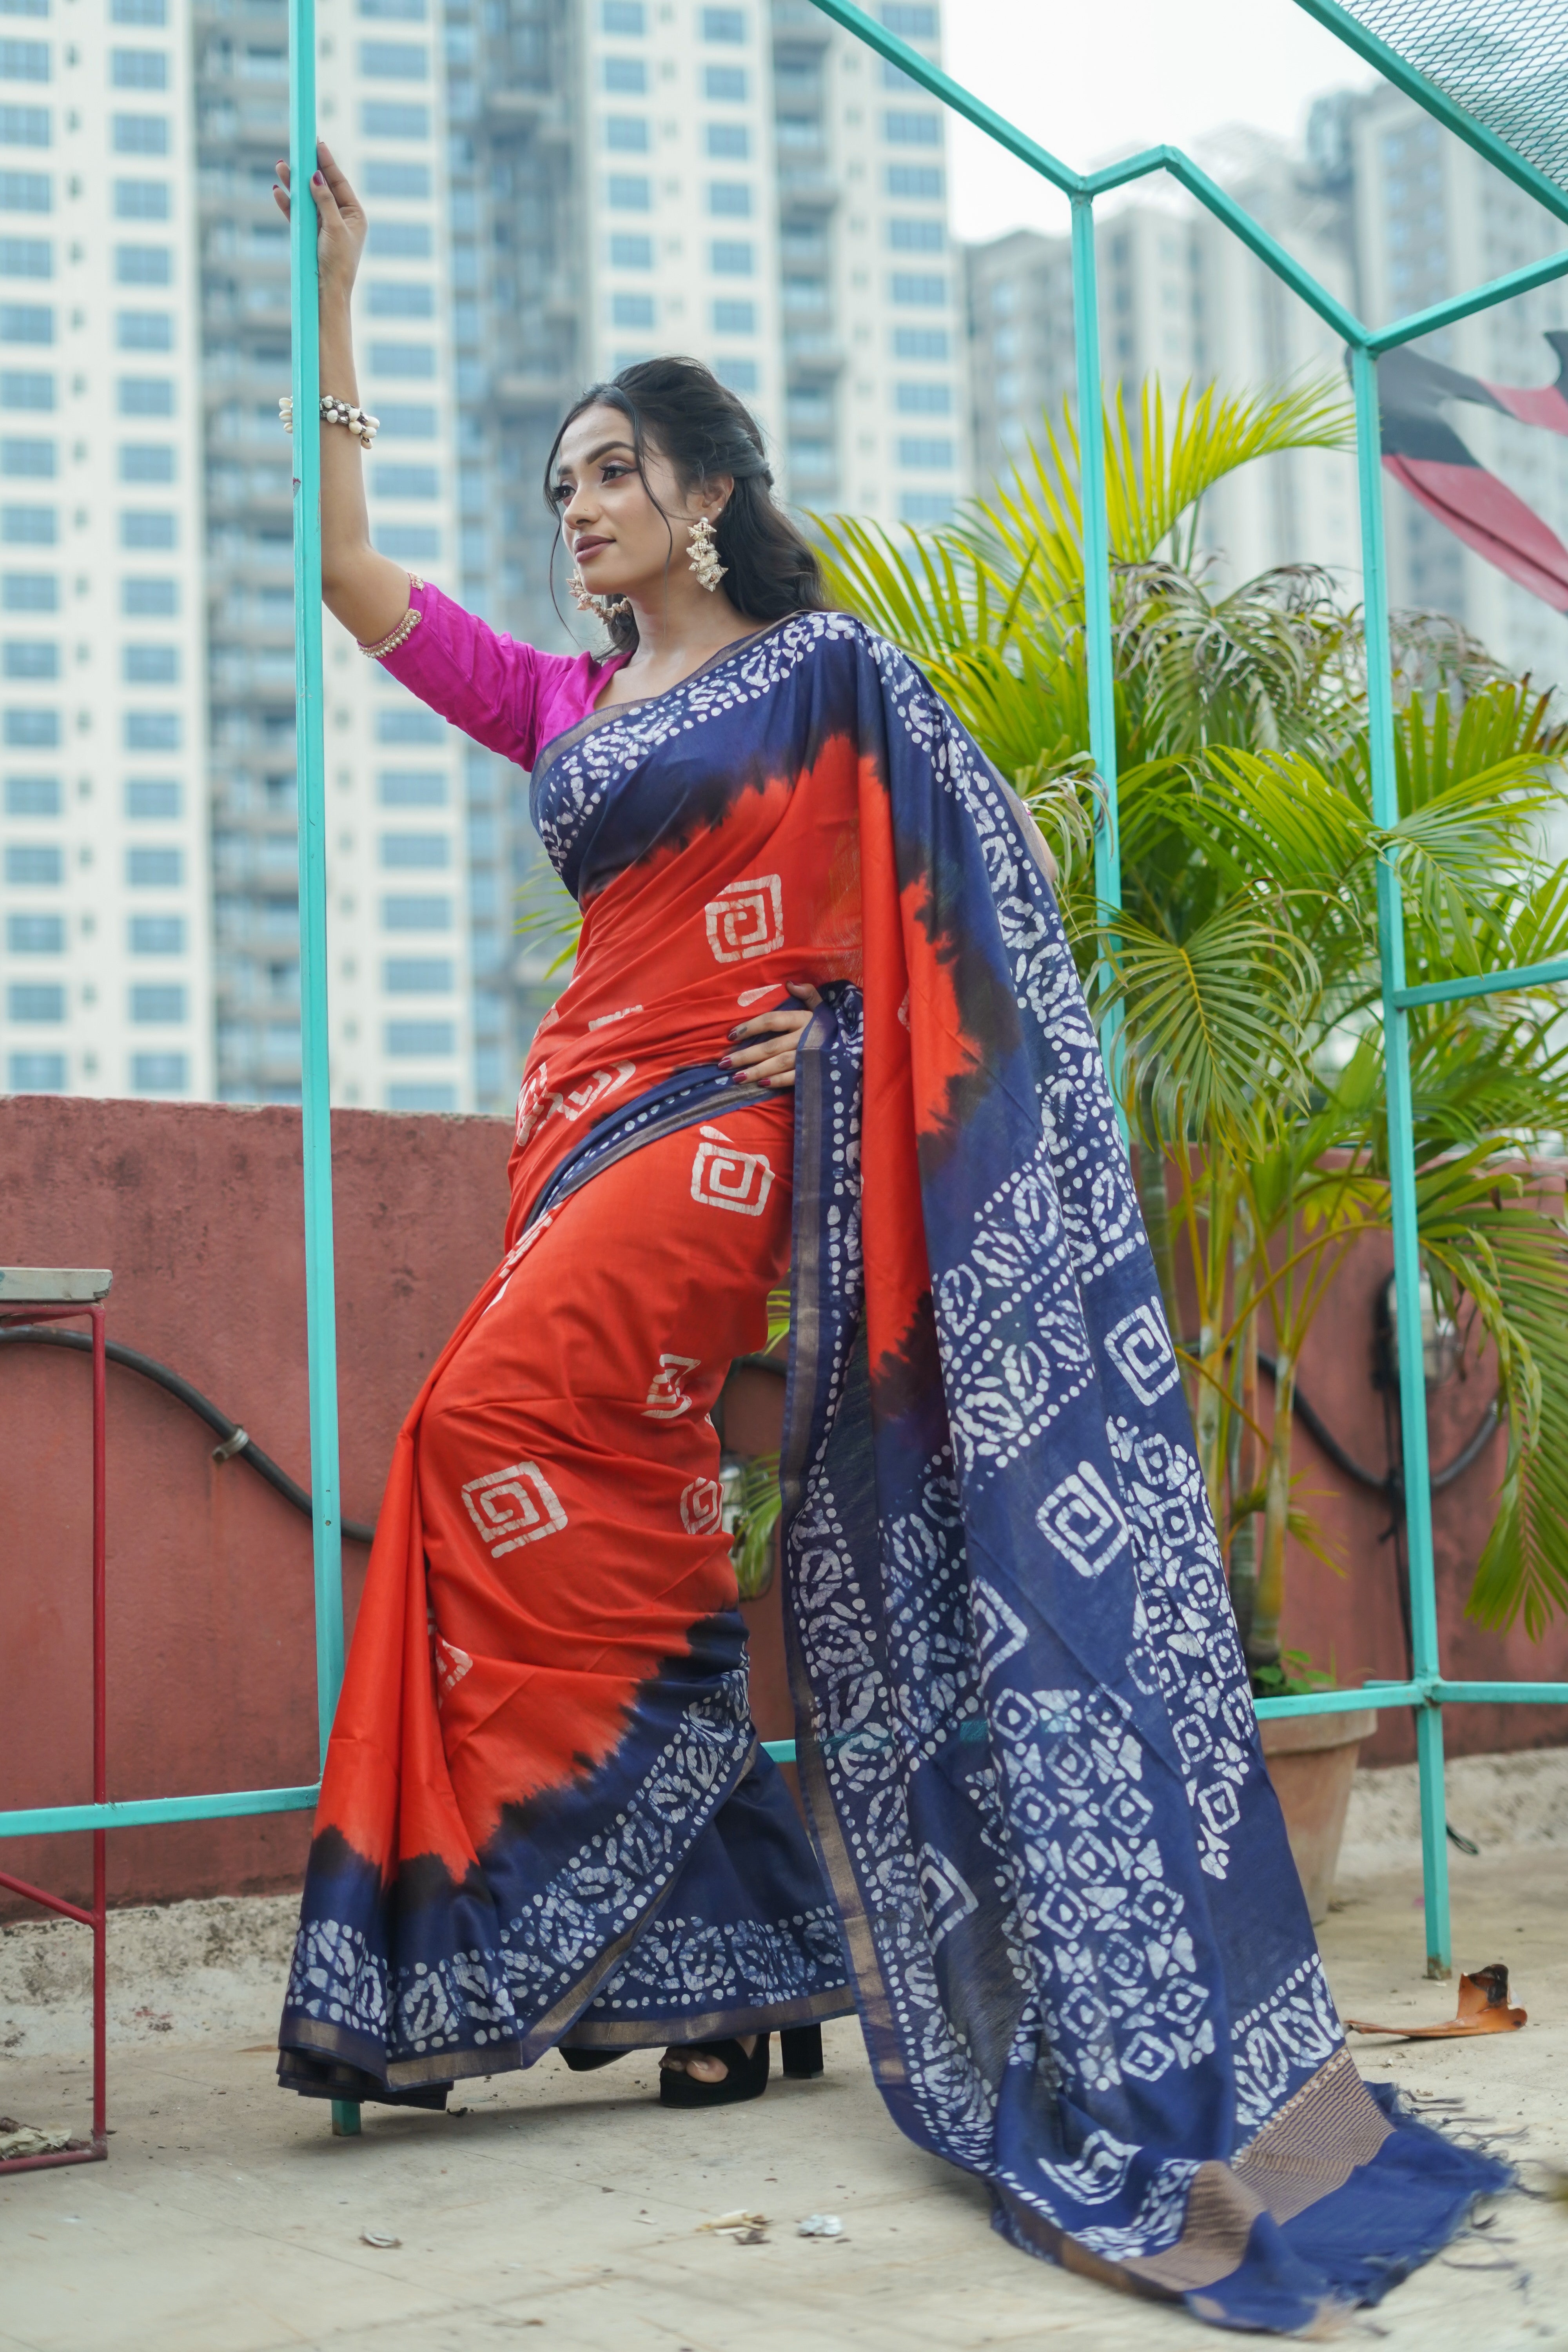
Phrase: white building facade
[105,903]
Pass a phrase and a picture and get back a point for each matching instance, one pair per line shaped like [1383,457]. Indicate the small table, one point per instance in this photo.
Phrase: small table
[48,1294]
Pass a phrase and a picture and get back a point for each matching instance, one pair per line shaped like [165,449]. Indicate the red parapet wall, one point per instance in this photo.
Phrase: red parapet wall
[197,1209]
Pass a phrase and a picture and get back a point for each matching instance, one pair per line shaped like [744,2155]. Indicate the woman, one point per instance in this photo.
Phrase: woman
[1047,1855]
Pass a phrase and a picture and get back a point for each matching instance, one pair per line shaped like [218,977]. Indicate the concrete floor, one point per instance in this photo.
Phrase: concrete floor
[229,2217]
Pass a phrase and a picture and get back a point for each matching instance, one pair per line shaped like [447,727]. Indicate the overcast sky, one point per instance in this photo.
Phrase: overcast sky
[1090,77]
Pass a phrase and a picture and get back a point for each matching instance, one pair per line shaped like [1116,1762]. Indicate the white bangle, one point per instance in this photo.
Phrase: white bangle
[361,423]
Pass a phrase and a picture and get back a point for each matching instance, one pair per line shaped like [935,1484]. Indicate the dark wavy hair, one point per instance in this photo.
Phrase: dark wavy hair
[678,407]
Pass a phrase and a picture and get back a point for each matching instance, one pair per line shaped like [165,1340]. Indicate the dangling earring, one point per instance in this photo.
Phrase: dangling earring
[702,555]
[605,607]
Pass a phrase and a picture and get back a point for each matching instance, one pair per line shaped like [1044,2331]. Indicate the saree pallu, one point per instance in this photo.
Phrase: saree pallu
[1076,1936]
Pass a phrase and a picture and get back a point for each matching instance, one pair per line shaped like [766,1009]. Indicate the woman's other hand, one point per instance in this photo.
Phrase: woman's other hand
[341,221]
[764,1049]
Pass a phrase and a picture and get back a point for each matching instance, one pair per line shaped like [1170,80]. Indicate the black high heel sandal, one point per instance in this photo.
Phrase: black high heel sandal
[746,2077]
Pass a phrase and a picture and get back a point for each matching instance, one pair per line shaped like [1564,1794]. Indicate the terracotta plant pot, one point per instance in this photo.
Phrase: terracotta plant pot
[1312,1762]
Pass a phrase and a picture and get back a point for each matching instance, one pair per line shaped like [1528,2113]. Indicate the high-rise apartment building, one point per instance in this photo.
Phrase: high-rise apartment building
[1182,302]
[104,872]
[555,188]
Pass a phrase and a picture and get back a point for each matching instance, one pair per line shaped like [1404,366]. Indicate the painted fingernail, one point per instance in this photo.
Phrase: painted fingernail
[317,180]
[726,1062]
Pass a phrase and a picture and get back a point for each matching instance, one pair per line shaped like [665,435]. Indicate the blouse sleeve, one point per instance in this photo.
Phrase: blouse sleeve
[490,685]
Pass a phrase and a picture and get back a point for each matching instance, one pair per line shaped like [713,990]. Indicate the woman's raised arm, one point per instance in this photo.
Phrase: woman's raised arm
[366,592]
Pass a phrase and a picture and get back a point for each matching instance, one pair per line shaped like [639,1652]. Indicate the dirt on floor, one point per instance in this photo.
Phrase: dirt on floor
[228,2216]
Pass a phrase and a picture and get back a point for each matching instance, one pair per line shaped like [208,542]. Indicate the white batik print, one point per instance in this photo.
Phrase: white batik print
[746,919]
[723,1177]
[515,1256]
[606,1020]
[513,1506]
[702,1507]
[754,996]
[667,1399]
[1083,1521]
[536,1103]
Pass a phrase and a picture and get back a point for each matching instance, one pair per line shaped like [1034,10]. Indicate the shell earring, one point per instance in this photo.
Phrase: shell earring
[702,554]
[603,607]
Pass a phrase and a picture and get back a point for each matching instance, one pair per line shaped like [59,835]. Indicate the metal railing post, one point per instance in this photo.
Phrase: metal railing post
[1099,645]
[310,756]
[1425,1665]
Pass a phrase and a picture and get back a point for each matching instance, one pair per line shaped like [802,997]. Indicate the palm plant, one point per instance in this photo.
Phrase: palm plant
[1243,961]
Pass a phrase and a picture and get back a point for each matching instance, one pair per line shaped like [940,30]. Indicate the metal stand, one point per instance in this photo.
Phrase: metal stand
[51,1296]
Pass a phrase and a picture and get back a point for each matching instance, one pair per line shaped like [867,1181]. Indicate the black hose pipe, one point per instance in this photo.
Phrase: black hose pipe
[237,1442]
[1387,1481]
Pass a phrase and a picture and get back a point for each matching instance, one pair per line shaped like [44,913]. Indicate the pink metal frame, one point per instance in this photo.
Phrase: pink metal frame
[95,1918]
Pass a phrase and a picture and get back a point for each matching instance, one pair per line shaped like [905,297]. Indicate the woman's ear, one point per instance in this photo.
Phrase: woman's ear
[712,496]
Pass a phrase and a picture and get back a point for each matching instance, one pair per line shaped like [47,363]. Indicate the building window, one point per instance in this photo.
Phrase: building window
[727,258]
[625,135]
[422,1098]
[143,265]
[416,914]
[29,592]
[32,730]
[27,323]
[421,1039]
[27,526]
[394,61]
[136,68]
[153,796]
[631,310]
[27,61]
[153,730]
[903,128]
[383,119]
[25,388]
[163,1002]
[155,870]
[401,240]
[919,343]
[917,235]
[26,191]
[928,454]
[420,851]
[735,318]
[411,788]
[629,192]
[146,395]
[149,599]
[36,934]
[36,1074]
[24,126]
[414,360]
[912,20]
[158,1074]
[629,252]
[32,796]
[409,726]
[725,85]
[919,292]
[723,25]
[36,1000]
[23,659]
[157,935]
[405,482]
[32,458]
[152,665]
[27,257]
[915,180]
[626,76]
[740,374]
[923,399]
[144,331]
[139,134]
[146,461]
[626,17]
[730,199]
[391,298]
[924,507]
[38,862]
[142,200]
[730,141]
[418,975]
[384,178]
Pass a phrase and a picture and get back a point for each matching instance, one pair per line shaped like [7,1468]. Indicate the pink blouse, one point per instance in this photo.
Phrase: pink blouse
[510,696]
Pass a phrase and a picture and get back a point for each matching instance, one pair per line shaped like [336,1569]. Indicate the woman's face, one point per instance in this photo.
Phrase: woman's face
[613,529]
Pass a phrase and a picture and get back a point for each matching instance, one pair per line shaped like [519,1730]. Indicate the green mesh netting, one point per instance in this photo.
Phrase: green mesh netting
[1504,61]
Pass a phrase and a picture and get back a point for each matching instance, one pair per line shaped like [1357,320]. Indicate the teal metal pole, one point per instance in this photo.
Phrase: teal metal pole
[1099,646]
[310,770]
[1402,1170]
[1553,975]
[310,757]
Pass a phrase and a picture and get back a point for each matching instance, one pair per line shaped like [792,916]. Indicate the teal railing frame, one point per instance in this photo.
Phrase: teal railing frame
[1427,1690]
